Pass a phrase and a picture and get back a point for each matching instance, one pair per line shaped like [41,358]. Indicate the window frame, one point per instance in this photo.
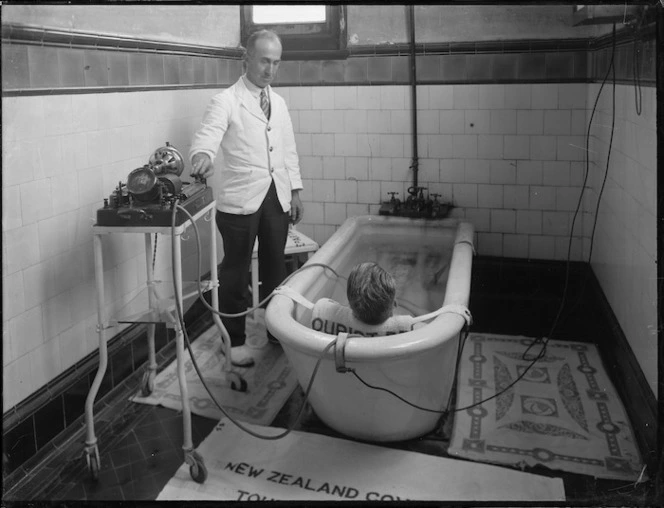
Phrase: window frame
[320,40]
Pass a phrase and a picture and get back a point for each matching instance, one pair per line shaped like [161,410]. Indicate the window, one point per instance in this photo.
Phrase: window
[306,31]
[266,14]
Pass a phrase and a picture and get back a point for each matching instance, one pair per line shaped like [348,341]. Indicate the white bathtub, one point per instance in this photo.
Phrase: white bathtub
[418,365]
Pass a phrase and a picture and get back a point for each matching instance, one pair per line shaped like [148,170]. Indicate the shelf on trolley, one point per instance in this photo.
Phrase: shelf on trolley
[162,310]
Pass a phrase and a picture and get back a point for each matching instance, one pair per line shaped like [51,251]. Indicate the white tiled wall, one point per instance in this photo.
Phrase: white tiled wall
[625,251]
[61,156]
[509,157]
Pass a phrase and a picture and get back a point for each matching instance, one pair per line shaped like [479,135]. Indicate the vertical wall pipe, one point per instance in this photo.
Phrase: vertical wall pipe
[413,88]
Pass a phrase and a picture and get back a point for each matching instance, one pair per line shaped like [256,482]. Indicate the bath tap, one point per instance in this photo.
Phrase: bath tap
[412,194]
[428,206]
[392,206]
[415,205]
[435,206]
[412,205]
[421,199]
[422,203]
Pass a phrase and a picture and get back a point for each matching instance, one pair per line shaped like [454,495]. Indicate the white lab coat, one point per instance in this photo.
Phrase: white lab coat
[255,151]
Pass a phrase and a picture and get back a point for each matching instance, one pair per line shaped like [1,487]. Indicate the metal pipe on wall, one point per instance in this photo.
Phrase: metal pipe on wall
[413,87]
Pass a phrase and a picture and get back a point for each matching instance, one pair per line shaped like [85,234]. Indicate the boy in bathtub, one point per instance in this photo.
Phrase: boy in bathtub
[371,295]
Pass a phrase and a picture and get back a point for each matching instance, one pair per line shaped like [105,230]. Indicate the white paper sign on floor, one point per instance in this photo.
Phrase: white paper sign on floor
[314,467]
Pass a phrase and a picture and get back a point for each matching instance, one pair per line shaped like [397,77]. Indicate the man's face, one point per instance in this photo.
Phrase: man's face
[263,62]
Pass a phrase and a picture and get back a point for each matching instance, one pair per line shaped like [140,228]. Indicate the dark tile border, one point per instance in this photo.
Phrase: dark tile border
[46,62]
[17,481]
[112,412]
[634,391]
[69,38]
[33,423]
[30,427]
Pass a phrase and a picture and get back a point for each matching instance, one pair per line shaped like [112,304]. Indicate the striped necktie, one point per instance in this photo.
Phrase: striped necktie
[265,104]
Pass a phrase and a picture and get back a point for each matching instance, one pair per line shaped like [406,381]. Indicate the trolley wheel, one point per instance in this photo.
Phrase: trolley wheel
[147,383]
[197,469]
[93,466]
[239,384]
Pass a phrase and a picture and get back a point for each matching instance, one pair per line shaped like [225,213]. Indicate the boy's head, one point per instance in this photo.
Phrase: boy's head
[371,292]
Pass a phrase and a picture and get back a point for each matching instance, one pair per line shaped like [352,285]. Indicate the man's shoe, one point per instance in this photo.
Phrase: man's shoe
[242,356]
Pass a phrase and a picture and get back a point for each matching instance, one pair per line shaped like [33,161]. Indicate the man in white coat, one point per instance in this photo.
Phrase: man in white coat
[260,180]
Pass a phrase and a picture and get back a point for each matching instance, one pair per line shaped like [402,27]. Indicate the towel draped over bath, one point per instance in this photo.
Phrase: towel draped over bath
[331,317]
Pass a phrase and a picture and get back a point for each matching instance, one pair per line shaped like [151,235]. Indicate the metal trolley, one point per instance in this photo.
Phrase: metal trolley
[160,310]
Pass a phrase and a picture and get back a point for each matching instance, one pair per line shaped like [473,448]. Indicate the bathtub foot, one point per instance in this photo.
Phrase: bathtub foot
[237,382]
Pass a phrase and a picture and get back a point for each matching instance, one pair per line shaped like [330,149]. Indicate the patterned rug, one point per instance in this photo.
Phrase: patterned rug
[563,414]
[270,381]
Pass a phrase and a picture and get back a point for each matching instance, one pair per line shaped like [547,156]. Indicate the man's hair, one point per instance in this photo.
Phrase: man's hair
[256,36]
[371,292]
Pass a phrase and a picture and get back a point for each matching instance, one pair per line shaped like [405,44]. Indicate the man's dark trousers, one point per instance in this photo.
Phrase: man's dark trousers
[239,232]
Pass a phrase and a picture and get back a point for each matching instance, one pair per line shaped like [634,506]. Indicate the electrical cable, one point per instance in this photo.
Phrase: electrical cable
[587,167]
[638,99]
[281,435]
[585,181]
[540,340]
[456,410]
[325,350]
[314,372]
[579,202]
[262,302]
[545,341]
[154,251]
[449,401]
[608,155]
[636,74]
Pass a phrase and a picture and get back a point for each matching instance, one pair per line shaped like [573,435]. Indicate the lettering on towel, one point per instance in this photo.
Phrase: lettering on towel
[300,482]
[333,318]
[334,328]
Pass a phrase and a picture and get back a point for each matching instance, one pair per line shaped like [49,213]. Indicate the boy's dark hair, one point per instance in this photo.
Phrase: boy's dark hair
[371,291]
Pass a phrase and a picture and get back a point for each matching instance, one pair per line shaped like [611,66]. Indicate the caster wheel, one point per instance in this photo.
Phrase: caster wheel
[147,384]
[239,384]
[93,465]
[197,470]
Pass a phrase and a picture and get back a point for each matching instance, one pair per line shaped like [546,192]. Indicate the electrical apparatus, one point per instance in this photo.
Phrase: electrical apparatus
[151,191]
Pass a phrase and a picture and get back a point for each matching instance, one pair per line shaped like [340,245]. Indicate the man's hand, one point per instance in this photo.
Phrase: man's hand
[296,207]
[201,166]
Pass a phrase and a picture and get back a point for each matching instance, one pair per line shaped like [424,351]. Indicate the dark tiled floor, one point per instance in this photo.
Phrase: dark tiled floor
[141,446]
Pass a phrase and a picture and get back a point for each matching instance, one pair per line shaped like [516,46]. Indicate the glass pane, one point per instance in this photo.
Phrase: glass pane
[271,14]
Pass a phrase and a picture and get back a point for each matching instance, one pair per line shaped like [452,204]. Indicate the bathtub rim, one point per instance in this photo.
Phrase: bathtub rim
[376,349]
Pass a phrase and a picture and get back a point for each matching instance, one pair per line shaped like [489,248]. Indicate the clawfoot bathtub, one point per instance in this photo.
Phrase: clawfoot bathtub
[431,262]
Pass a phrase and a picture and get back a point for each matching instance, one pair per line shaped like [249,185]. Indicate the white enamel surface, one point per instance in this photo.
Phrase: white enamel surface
[418,365]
